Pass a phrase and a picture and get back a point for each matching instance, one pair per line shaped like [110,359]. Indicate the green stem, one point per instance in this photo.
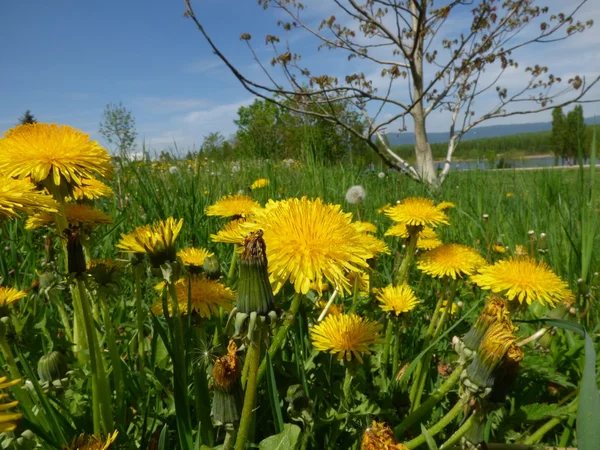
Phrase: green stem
[15,373]
[418,414]
[541,432]
[564,438]
[250,395]
[230,434]
[347,388]
[459,433]
[64,317]
[389,332]
[101,394]
[201,393]
[137,275]
[279,338]
[117,371]
[396,348]
[408,257]
[443,423]
[232,267]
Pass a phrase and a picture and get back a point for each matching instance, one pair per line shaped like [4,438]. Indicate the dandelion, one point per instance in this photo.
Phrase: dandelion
[451,260]
[381,175]
[384,208]
[380,437]
[206,296]
[520,250]
[232,233]
[309,241]
[86,442]
[334,309]
[355,195]
[427,238]
[233,206]
[173,169]
[157,240]
[495,310]
[49,151]
[498,248]
[365,227]
[398,299]
[445,205]
[106,275]
[9,295]
[92,189]
[21,197]
[509,195]
[345,335]
[453,307]
[194,257]
[8,420]
[227,398]
[523,279]
[260,183]
[417,211]
[76,215]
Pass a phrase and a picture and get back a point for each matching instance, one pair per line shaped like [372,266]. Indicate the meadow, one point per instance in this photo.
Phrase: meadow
[308,325]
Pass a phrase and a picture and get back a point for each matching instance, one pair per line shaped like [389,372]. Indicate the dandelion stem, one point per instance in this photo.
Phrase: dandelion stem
[232,267]
[418,414]
[389,332]
[459,433]
[443,423]
[408,257]
[64,317]
[137,275]
[201,391]
[279,338]
[253,356]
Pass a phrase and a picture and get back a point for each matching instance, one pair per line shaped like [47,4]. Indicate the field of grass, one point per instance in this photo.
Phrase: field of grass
[151,379]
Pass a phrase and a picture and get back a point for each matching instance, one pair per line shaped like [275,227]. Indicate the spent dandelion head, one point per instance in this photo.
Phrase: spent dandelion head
[77,215]
[397,299]
[21,197]
[8,420]
[259,184]
[205,296]
[52,152]
[310,241]
[227,398]
[345,335]
[10,295]
[523,279]
[380,437]
[450,260]
[356,194]
[255,294]
[228,368]
[235,206]
[90,442]
[417,211]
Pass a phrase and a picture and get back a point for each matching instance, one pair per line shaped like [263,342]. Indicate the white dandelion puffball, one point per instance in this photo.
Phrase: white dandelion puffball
[235,168]
[173,169]
[381,175]
[355,195]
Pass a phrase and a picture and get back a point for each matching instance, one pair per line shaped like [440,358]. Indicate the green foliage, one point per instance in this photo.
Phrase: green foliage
[118,128]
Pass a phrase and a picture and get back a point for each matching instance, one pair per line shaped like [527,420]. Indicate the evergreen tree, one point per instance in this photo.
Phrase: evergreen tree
[558,139]
[27,117]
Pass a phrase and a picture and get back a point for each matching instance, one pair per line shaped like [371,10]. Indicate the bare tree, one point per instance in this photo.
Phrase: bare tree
[118,128]
[441,67]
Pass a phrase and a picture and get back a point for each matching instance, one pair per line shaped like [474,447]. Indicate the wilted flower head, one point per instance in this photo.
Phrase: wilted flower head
[345,335]
[523,279]
[355,195]
[451,260]
[21,197]
[90,442]
[380,437]
[49,151]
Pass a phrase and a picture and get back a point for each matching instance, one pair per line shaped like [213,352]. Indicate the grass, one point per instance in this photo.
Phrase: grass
[305,389]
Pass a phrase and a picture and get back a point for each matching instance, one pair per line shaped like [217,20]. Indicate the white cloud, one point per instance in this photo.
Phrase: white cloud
[204,65]
[169,104]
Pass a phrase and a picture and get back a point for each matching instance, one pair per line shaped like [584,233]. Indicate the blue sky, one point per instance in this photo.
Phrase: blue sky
[65,60]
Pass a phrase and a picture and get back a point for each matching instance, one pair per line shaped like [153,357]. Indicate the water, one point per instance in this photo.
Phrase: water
[543,161]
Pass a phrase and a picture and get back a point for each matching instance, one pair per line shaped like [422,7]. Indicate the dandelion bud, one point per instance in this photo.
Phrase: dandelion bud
[495,310]
[76,258]
[254,291]
[227,399]
[531,233]
[573,311]
[584,289]
[52,367]
[542,244]
[485,217]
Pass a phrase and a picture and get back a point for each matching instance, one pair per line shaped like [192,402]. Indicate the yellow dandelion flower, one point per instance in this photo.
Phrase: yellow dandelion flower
[374,245]
[77,216]
[87,442]
[498,248]
[319,287]
[334,309]
[308,241]
[157,240]
[429,243]
[445,205]
[361,279]
[384,208]
[453,308]
[8,421]
[417,211]
[92,189]
[345,335]
[9,295]
[398,299]
[260,183]
[42,150]
[194,256]
[452,260]
[380,437]
[523,279]
[22,197]
[231,233]
[233,206]
[509,195]
[427,238]
[365,227]
[206,297]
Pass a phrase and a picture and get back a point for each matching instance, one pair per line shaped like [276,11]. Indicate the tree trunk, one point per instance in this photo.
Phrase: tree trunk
[423,151]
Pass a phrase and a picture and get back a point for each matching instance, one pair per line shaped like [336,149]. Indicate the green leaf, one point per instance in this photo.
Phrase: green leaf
[539,411]
[428,439]
[274,395]
[286,440]
[163,443]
